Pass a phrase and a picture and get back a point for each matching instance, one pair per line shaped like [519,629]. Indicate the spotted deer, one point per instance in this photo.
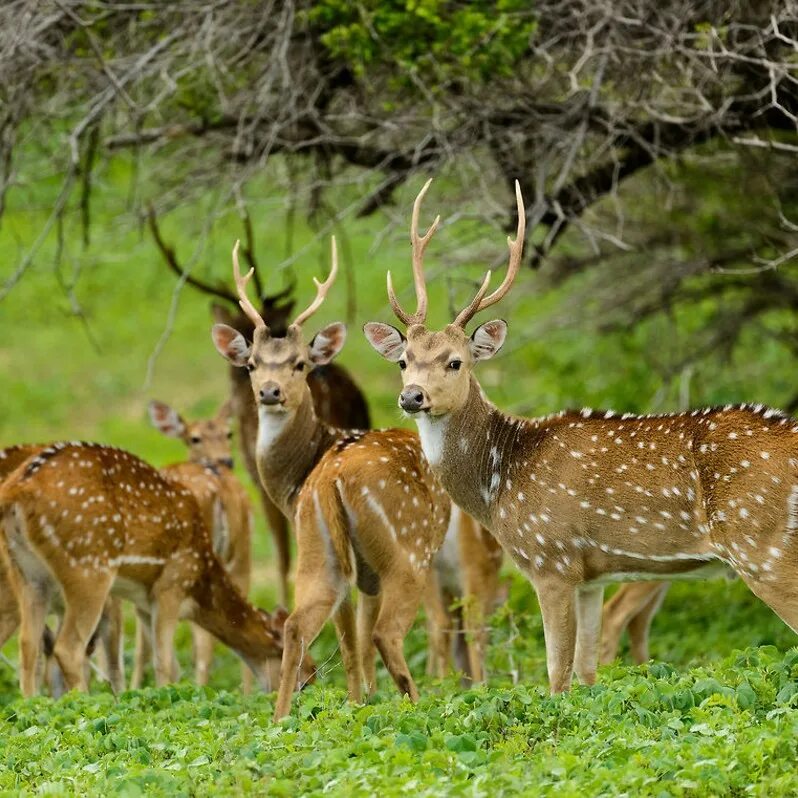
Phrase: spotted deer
[42,596]
[100,521]
[366,508]
[209,477]
[579,499]
[337,399]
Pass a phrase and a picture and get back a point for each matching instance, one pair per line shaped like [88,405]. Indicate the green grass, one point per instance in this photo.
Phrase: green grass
[713,721]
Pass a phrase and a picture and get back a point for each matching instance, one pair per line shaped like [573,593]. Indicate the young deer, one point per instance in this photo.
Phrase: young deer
[366,508]
[42,596]
[584,498]
[337,400]
[98,520]
[208,475]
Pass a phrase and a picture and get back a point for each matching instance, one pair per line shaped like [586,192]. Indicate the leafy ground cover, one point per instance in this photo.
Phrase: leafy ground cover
[716,721]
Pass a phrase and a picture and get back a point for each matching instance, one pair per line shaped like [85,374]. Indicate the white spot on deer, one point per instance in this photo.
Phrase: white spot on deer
[540,539]
[765,455]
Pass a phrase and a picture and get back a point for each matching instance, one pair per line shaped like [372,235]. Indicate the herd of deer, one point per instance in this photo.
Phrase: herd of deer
[577,500]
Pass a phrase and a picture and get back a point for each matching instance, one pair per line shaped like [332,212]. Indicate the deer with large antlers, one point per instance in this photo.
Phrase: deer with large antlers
[208,475]
[40,597]
[583,498]
[98,521]
[366,508]
[337,399]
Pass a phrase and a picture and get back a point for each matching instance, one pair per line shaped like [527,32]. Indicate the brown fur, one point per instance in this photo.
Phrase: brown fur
[366,509]
[13,589]
[580,498]
[99,520]
[337,401]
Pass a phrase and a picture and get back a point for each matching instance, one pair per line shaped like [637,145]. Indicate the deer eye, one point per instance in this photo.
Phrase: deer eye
[229,434]
[250,367]
[455,365]
[300,366]
[196,439]
[403,364]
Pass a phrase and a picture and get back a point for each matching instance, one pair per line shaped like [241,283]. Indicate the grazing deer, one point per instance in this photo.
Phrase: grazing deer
[337,400]
[40,597]
[583,498]
[208,475]
[366,508]
[98,520]
[466,575]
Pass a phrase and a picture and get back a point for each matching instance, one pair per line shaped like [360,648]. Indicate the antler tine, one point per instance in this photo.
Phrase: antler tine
[516,250]
[321,288]
[241,285]
[419,244]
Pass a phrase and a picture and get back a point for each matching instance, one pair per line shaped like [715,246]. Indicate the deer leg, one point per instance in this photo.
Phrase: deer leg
[629,600]
[240,573]
[203,653]
[780,595]
[143,650]
[400,599]
[33,609]
[344,619]
[437,625]
[589,599]
[165,616]
[367,610]
[278,525]
[84,605]
[301,628]
[640,625]
[557,603]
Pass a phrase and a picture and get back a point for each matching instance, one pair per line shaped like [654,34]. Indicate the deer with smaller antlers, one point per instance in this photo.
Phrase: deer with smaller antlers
[366,508]
[583,498]
[208,475]
[41,597]
[337,400]
[98,520]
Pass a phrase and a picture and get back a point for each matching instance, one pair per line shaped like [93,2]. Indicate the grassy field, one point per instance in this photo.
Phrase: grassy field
[718,719]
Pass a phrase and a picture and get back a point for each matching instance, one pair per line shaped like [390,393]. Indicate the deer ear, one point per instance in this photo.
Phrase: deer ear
[387,340]
[327,343]
[166,419]
[487,339]
[231,344]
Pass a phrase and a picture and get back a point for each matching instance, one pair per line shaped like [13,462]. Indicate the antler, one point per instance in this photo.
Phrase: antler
[241,285]
[516,249]
[321,289]
[419,245]
[171,261]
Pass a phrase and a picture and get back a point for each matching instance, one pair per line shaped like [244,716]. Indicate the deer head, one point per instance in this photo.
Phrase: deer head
[208,440]
[437,365]
[278,366]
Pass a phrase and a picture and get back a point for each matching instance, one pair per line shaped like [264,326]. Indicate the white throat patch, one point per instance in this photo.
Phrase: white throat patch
[270,427]
[432,432]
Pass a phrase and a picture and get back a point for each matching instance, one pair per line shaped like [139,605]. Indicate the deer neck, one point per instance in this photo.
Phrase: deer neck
[221,609]
[289,446]
[469,451]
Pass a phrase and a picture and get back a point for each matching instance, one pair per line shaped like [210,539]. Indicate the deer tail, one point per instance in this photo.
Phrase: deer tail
[332,514]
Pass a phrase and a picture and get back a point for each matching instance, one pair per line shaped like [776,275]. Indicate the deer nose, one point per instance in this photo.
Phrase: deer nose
[270,394]
[411,399]
[227,461]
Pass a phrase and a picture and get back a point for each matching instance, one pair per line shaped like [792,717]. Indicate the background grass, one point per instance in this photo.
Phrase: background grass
[720,723]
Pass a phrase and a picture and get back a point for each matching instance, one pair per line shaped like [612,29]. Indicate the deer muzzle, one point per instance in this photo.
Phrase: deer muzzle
[413,399]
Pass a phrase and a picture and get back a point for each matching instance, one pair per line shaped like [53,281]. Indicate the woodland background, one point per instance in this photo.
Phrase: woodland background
[656,146]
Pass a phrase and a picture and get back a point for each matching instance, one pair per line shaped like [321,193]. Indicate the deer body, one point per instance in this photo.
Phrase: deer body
[367,510]
[43,596]
[583,498]
[100,520]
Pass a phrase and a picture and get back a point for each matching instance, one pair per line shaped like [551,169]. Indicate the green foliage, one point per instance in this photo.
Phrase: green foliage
[725,726]
[476,41]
